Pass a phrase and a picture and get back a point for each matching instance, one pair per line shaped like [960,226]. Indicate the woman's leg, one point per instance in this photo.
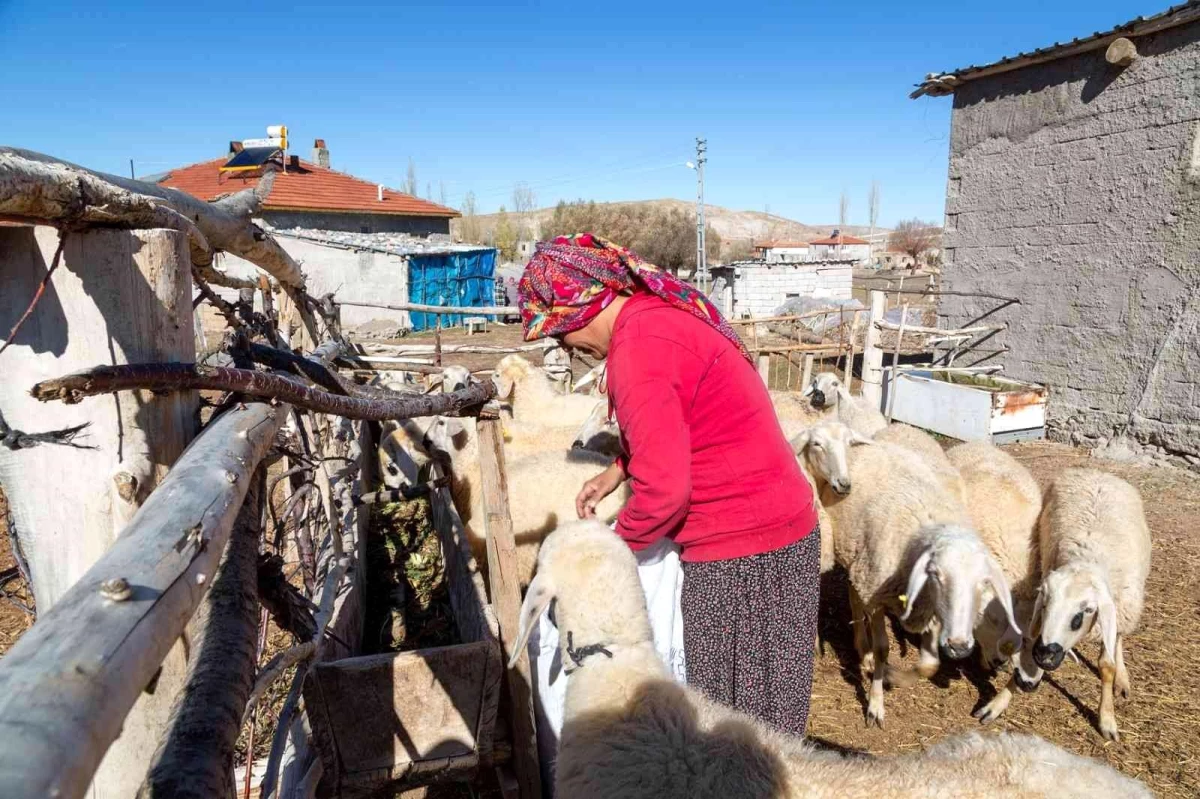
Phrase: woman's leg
[749,628]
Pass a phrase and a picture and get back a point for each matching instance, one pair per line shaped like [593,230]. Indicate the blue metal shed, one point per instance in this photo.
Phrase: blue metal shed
[463,278]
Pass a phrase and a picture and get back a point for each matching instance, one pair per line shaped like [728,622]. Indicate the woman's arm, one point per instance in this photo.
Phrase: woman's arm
[655,428]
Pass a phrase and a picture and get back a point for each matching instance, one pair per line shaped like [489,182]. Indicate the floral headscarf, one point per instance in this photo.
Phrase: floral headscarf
[571,279]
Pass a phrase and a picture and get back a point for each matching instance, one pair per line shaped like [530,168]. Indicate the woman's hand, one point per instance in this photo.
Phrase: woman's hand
[597,489]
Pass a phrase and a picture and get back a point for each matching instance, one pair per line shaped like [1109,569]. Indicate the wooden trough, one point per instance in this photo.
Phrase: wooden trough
[403,719]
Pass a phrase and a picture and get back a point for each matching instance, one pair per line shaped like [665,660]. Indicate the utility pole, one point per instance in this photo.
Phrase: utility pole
[701,255]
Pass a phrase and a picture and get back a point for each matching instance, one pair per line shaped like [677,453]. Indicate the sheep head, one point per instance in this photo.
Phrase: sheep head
[824,390]
[824,447]
[961,577]
[511,370]
[1070,601]
[598,432]
[592,575]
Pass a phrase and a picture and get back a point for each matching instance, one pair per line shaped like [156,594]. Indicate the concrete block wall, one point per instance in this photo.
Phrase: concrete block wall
[1075,186]
[761,288]
[355,223]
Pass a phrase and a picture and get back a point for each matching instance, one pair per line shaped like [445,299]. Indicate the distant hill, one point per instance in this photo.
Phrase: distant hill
[734,226]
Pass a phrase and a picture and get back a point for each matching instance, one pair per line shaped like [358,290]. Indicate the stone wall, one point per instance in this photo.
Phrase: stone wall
[358,223]
[1075,186]
[758,289]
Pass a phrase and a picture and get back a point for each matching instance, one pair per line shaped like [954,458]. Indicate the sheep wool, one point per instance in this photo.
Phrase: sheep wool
[631,732]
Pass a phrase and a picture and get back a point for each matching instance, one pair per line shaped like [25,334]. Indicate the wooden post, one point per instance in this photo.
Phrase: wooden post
[764,368]
[117,296]
[896,361]
[506,599]
[808,370]
[872,371]
[437,341]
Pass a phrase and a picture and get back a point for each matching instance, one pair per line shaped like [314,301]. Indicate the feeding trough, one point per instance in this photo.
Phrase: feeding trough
[969,407]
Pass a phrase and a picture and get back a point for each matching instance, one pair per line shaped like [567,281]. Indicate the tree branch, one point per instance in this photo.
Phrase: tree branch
[194,377]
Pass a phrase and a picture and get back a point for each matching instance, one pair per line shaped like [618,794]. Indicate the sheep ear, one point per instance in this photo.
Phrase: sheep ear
[1035,618]
[916,581]
[504,386]
[1003,592]
[800,441]
[808,390]
[537,599]
[1106,614]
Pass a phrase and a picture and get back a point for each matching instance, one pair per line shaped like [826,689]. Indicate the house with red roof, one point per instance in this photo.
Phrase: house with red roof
[310,194]
[840,246]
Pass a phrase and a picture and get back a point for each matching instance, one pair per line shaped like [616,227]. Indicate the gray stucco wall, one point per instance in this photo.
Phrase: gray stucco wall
[1075,186]
[362,276]
[354,223]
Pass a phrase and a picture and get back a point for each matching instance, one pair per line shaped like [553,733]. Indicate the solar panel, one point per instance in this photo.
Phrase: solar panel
[250,158]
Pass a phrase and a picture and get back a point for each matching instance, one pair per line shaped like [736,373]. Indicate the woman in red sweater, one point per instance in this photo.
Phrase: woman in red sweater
[708,468]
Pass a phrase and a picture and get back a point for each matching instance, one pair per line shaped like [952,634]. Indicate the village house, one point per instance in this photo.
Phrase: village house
[1074,187]
[781,252]
[840,246]
[366,242]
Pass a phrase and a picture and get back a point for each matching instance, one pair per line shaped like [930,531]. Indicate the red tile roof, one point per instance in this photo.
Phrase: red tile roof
[843,239]
[311,188]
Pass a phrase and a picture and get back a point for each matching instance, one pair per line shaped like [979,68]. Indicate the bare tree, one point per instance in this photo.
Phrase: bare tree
[428,191]
[843,211]
[873,205]
[410,181]
[442,192]
[915,238]
[523,202]
[469,227]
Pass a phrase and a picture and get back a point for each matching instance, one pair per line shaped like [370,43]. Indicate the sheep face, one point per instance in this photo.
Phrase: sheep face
[1070,601]
[598,433]
[400,456]
[445,436]
[824,447]
[511,370]
[592,575]
[961,578]
[455,378]
[823,390]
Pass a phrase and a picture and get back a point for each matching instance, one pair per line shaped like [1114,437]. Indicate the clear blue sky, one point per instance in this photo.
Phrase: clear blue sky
[798,100]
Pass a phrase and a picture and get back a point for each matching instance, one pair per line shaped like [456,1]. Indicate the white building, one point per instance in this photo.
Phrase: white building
[782,252]
[841,246]
[756,288]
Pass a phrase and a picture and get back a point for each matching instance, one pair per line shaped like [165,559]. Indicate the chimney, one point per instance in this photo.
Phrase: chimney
[379,191]
[235,147]
[294,162]
[320,155]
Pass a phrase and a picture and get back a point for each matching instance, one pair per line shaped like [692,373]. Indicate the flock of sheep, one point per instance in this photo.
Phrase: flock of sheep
[961,546]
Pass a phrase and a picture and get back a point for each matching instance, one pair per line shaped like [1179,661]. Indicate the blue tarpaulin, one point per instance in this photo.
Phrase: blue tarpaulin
[450,278]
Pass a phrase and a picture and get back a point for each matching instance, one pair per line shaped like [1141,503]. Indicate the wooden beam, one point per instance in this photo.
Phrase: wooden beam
[403,350]
[465,310]
[67,684]
[506,599]
[195,756]
[938,331]
[40,187]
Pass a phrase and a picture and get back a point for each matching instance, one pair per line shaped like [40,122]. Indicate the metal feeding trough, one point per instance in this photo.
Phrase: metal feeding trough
[969,407]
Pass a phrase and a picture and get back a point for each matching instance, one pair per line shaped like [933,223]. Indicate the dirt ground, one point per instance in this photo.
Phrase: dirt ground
[1160,730]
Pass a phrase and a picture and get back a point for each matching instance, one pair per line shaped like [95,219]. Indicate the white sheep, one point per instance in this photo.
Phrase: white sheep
[892,537]
[599,432]
[534,397]
[401,451]
[923,444]
[1004,501]
[541,489]
[822,449]
[828,391]
[631,732]
[1095,554]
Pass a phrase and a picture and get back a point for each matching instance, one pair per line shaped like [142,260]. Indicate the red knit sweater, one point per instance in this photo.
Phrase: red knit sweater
[708,464]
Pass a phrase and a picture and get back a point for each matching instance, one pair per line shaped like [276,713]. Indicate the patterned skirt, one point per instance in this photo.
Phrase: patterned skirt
[750,630]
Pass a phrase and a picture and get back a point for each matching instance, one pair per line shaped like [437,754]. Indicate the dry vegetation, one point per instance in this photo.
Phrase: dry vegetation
[1160,731]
